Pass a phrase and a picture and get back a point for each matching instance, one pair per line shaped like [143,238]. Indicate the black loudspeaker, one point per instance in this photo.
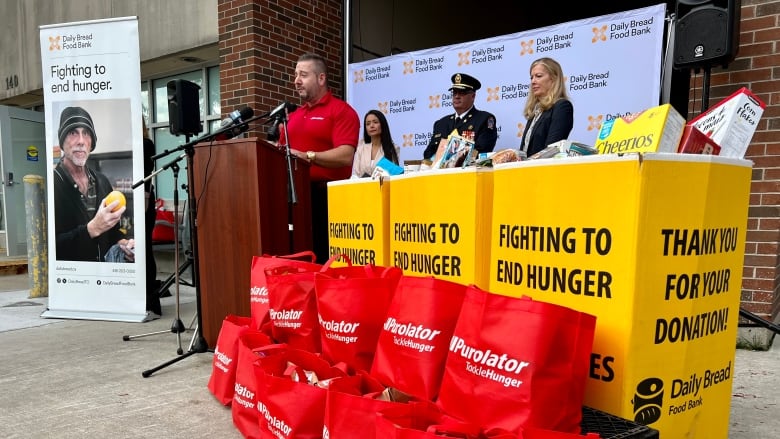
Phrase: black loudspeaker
[183,107]
[706,32]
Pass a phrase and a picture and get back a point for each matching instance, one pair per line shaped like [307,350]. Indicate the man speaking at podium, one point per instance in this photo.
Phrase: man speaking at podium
[324,132]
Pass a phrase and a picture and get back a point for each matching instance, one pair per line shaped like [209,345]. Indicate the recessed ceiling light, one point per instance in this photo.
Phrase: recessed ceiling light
[191,59]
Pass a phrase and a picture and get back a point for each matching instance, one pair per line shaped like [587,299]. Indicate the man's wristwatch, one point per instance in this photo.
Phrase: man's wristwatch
[311,155]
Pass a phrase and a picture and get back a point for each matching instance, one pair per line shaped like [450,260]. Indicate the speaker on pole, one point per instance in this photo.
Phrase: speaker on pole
[183,107]
[706,32]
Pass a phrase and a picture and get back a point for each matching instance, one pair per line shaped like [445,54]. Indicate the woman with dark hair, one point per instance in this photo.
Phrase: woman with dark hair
[377,143]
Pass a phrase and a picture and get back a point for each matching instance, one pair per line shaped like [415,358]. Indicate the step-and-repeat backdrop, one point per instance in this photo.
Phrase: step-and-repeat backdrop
[612,65]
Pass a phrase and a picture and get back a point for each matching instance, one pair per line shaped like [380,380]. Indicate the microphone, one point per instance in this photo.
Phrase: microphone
[280,110]
[236,117]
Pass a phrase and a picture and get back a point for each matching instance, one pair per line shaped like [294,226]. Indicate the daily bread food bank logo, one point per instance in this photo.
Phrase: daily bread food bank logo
[376,73]
[402,105]
[594,122]
[421,139]
[520,129]
[589,81]
[434,101]
[599,34]
[513,91]
[526,47]
[648,401]
[358,76]
[630,28]
[70,41]
[487,54]
[463,58]
[429,64]
[54,43]
[554,42]
[492,93]
[686,393]
[408,67]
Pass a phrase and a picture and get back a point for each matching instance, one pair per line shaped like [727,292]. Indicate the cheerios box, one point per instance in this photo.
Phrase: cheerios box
[732,122]
[657,129]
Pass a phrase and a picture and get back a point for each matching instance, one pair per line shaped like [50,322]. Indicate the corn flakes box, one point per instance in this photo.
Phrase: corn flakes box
[732,122]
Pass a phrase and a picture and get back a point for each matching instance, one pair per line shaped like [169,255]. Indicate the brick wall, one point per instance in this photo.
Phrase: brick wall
[757,67]
[260,42]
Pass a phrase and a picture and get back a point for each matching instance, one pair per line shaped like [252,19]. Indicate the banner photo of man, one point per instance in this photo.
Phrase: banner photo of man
[92,91]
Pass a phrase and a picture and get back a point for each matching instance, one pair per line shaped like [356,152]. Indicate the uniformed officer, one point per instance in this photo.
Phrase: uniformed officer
[465,118]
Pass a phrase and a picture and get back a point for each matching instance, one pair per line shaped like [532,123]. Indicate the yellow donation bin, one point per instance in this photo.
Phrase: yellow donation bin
[653,246]
[358,217]
[440,224]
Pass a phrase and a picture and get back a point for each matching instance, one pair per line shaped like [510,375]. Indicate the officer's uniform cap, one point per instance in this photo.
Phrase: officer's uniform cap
[464,82]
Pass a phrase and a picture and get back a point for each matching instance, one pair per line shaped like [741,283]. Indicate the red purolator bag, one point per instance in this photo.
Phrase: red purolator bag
[292,386]
[516,363]
[425,421]
[251,346]
[223,372]
[352,303]
[352,404]
[258,286]
[413,343]
[292,304]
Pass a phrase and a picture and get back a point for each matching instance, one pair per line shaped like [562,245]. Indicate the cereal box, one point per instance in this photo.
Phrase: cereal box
[656,129]
[732,122]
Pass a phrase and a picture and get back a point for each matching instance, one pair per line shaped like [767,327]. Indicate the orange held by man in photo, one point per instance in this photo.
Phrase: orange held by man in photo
[116,196]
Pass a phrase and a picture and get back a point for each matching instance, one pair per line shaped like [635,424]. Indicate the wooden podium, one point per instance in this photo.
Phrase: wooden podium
[241,191]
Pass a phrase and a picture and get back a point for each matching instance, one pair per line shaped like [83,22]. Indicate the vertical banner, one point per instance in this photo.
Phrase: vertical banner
[92,91]
[612,64]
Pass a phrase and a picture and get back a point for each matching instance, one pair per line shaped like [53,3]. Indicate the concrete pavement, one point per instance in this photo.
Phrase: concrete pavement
[77,379]
[80,379]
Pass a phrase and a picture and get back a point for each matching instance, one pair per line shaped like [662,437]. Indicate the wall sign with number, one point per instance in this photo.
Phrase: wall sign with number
[11,82]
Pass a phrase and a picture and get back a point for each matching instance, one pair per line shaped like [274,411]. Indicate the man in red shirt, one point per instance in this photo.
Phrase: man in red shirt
[323,131]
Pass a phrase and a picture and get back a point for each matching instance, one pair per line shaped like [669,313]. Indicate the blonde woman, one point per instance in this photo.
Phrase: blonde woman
[548,109]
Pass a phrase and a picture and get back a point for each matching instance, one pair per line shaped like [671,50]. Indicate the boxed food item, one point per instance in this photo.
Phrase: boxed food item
[656,129]
[695,142]
[457,153]
[570,148]
[732,122]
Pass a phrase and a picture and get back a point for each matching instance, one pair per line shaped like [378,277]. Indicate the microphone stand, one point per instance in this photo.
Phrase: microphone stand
[198,344]
[177,327]
[292,195]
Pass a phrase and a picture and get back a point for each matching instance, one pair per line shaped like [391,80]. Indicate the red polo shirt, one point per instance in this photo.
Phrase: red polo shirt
[325,125]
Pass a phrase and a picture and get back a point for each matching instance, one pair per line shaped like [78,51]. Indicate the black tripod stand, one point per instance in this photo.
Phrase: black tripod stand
[237,126]
[198,343]
[177,327]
